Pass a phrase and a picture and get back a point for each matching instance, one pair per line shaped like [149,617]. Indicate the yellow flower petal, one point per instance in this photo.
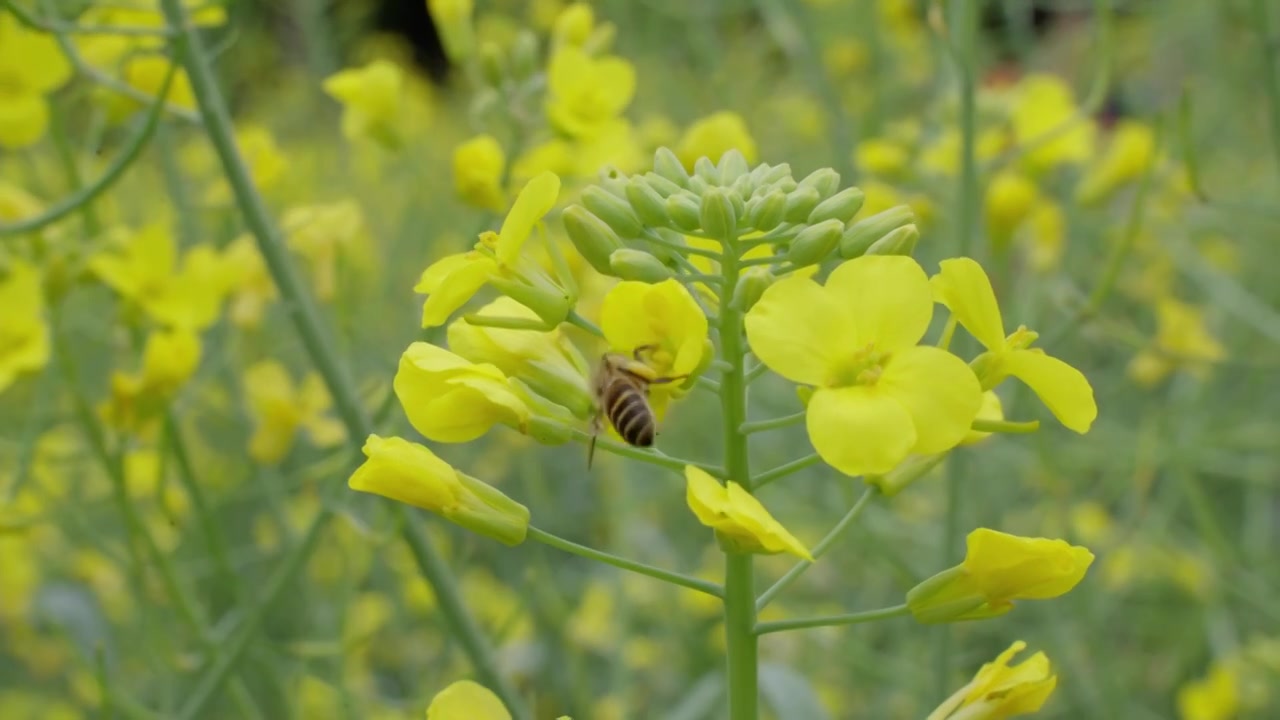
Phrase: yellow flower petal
[938,390]
[887,297]
[963,286]
[448,399]
[1062,388]
[706,497]
[859,430]
[752,516]
[24,117]
[662,315]
[451,282]
[1000,690]
[801,331]
[738,516]
[407,472]
[466,700]
[535,200]
[1008,567]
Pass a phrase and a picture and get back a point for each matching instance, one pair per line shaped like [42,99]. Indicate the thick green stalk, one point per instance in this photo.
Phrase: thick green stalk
[1270,76]
[314,335]
[739,579]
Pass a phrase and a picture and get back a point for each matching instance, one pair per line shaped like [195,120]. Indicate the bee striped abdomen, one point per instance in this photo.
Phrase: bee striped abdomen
[629,412]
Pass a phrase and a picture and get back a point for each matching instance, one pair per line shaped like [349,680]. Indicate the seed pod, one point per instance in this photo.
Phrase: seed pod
[860,236]
[765,213]
[630,264]
[667,165]
[898,242]
[717,216]
[815,243]
[592,237]
[615,211]
[801,202]
[825,180]
[685,211]
[842,206]
[647,203]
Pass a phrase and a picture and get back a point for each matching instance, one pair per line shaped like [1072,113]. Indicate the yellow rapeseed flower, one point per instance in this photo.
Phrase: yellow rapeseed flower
[879,395]
[319,233]
[279,409]
[452,18]
[738,518]
[1130,153]
[1046,121]
[882,157]
[466,700]
[169,358]
[585,93]
[1182,342]
[1010,198]
[1000,690]
[371,99]
[713,136]
[963,286]
[24,333]
[999,568]
[267,164]
[251,285]
[450,399]
[410,473]
[1046,235]
[665,320]
[31,66]
[452,280]
[573,24]
[1213,697]
[477,172]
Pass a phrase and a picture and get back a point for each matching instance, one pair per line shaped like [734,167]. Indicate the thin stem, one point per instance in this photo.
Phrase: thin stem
[857,618]
[1271,77]
[773,424]
[818,550]
[508,323]
[675,578]
[1006,426]
[771,260]
[652,456]
[707,384]
[315,337]
[658,240]
[754,373]
[784,470]
[208,524]
[578,321]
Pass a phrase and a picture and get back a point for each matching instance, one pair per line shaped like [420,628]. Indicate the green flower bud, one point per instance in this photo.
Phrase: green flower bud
[743,188]
[765,212]
[814,243]
[739,205]
[493,66]
[592,237]
[685,211]
[705,169]
[664,253]
[899,242]
[750,287]
[800,203]
[630,264]
[698,184]
[612,209]
[485,104]
[842,206]
[667,165]
[946,598]
[776,174]
[647,203]
[718,217]
[732,166]
[860,236]
[550,302]
[661,185]
[910,470]
[524,55]
[825,180]
[484,509]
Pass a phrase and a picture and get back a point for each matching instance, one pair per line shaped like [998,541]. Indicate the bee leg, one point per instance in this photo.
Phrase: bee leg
[665,380]
[635,354]
[595,433]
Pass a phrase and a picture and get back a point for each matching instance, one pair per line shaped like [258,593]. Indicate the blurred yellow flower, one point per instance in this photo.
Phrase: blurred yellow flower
[477,172]
[738,518]
[24,334]
[1048,124]
[573,25]
[964,288]
[1000,690]
[855,339]
[1047,236]
[586,93]
[713,136]
[1010,198]
[267,164]
[252,287]
[31,66]
[279,409]
[1182,341]
[941,156]
[452,19]
[169,359]
[1213,697]
[594,624]
[882,157]
[547,361]
[466,700]
[143,268]
[999,568]
[1131,151]
[16,203]
[410,473]
[371,99]
[449,399]
[319,233]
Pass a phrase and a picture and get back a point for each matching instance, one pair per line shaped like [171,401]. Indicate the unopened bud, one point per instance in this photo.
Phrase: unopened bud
[550,302]
[493,66]
[630,264]
[705,169]
[765,212]
[814,243]
[647,203]
[898,242]
[612,209]
[860,236]
[825,180]
[685,211]
[801,202]
[666,164]
[484,509]
[776,174]
[718,217]
[661,185]
[592,237]
[750,287]
[842,206]
[732,166]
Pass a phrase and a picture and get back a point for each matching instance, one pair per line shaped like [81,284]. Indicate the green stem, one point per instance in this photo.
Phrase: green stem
[1006,426]
[208,524]
[649,455]
[865,616]
[1270,76]
[739,581]
[784,470]
[314,335]
[640,568]
[778,422]
[578,321]
[818,550]
[58,130]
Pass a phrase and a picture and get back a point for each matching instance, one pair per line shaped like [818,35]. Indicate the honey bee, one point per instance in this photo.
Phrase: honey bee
[622,395]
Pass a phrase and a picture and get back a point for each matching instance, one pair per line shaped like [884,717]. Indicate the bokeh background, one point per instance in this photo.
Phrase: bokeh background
[1165,158]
